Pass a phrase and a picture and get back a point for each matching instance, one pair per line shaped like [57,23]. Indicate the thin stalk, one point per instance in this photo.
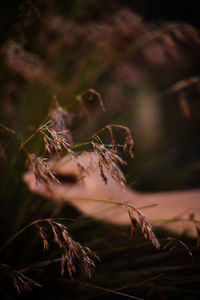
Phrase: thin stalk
[14,236]
[125,205]
[104,289]
[109,290]
[87,141]
[31,136]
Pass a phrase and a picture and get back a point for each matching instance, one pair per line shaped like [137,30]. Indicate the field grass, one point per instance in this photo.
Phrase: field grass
[62,65]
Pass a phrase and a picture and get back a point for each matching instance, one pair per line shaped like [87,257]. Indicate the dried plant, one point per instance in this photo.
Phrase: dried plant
[83,109]
[111,161]
[108,159]
[41,169]
[147,230]
[22,282]
[57,138]
[61,120]
[56,132]
[172,242]
[108,154]
[128,144]
[125,48]
[55,141]
[71,251]
[141,221]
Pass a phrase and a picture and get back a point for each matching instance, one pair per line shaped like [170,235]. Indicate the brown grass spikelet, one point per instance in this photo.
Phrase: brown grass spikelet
[43,235]
[41,169]
[103,176]
[56,234]
[107,154]
[55,141]
[95,93]
[56,133]
[110,160]
[171,241]
[114,145]
[143,223]
[22,283]
[133,224]
[128,144]
[71,251]
[84,111]
[147,230]
[61,119]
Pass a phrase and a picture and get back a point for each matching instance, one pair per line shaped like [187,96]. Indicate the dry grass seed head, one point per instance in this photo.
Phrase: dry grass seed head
[173,241]
[71,250]
[110,160]
[143,223]
[95,93]
[41,169]
[128,144]
[114,145]
[83,109]
[61,119]
[22,283]
[133,224]
[41,230]
[103,176]
[147,230]
[55,141]
[57,136]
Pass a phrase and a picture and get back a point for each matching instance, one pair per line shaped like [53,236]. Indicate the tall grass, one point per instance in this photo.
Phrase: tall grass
[132,63]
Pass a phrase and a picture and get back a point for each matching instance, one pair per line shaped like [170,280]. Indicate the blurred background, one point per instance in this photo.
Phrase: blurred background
[143,58]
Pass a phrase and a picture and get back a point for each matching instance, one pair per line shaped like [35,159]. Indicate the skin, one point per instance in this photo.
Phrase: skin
[180,207]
